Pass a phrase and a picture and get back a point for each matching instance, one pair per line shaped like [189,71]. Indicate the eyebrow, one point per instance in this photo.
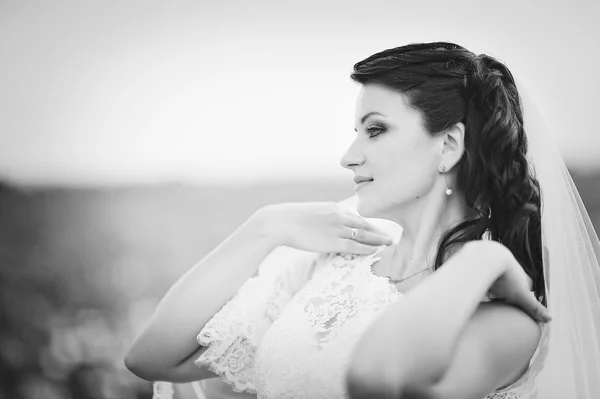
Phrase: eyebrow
[364,118]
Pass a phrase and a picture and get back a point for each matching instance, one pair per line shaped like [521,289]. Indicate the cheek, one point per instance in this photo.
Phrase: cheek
[409,173]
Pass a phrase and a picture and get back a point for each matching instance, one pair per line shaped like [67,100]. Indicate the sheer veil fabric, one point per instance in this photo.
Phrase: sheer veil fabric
[571,254]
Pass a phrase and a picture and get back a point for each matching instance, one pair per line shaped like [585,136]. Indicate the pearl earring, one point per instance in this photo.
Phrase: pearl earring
[448,189]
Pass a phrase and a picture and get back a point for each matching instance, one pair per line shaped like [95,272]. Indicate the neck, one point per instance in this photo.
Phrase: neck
[422,227]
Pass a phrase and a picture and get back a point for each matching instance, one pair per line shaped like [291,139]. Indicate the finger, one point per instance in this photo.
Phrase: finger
[354,247]
[535,309]
[361,223]
[368,237]
[543,314]
[355,221]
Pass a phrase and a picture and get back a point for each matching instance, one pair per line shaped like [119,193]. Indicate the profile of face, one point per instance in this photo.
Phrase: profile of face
[394,159]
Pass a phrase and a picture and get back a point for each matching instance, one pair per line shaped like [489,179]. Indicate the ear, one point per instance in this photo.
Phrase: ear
[453,145]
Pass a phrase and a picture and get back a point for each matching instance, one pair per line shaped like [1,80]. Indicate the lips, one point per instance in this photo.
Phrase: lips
[361,183]
[360,179]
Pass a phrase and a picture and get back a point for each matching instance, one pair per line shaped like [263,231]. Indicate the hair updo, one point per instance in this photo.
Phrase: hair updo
[449,84]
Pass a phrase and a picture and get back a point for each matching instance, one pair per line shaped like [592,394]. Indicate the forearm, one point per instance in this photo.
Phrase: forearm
[190,303]
[412,342]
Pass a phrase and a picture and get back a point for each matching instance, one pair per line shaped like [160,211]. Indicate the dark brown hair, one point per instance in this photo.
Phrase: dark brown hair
[449,84]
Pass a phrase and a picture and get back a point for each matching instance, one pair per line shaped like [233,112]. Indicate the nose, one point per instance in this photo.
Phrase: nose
[353,157]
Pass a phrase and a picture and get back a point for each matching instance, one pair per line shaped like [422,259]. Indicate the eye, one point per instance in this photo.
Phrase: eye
[375,130]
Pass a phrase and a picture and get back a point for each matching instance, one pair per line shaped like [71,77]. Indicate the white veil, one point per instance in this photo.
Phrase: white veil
[571,365]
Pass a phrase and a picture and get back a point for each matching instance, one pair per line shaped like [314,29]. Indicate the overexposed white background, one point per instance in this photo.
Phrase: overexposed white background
[128,92]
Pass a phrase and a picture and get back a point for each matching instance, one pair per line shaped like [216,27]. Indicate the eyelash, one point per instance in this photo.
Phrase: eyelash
[371,129]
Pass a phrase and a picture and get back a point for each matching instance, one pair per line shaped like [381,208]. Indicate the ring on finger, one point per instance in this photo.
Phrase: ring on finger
[353,234]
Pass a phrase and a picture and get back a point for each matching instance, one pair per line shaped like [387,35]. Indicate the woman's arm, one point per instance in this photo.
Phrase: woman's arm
[441,341]
[166,348]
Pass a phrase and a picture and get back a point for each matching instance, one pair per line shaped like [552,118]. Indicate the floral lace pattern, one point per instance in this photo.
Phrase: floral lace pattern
[162,390]
[233,336]
[346,289]
[324,320]
[234,333]
[288,339]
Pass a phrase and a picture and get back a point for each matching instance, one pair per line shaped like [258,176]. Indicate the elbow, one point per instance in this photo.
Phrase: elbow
[137,367]
[144,367]
[133,365]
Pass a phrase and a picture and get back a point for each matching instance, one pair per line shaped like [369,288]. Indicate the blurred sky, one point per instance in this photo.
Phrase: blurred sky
[120,92]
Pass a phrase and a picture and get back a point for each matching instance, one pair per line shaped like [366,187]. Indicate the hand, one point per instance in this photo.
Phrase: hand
[322,227]
[513,286]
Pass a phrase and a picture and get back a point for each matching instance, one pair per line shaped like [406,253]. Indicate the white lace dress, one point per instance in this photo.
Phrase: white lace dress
[289,332]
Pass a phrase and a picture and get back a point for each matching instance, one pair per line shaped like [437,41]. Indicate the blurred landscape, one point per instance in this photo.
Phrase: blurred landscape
[81,271]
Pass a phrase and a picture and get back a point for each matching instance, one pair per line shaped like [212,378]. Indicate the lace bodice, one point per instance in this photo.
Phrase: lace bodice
[324,320]
[289,332]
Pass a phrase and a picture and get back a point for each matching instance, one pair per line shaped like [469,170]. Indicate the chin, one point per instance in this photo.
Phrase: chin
[368,208]
[379,205]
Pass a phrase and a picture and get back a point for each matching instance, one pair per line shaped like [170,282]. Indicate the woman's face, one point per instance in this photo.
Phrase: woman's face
[392,150]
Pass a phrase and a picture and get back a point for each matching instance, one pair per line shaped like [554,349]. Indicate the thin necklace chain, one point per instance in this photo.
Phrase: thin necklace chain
[398,281]
[405,278]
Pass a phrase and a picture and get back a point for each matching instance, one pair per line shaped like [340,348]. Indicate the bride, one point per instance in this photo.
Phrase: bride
[319,300]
